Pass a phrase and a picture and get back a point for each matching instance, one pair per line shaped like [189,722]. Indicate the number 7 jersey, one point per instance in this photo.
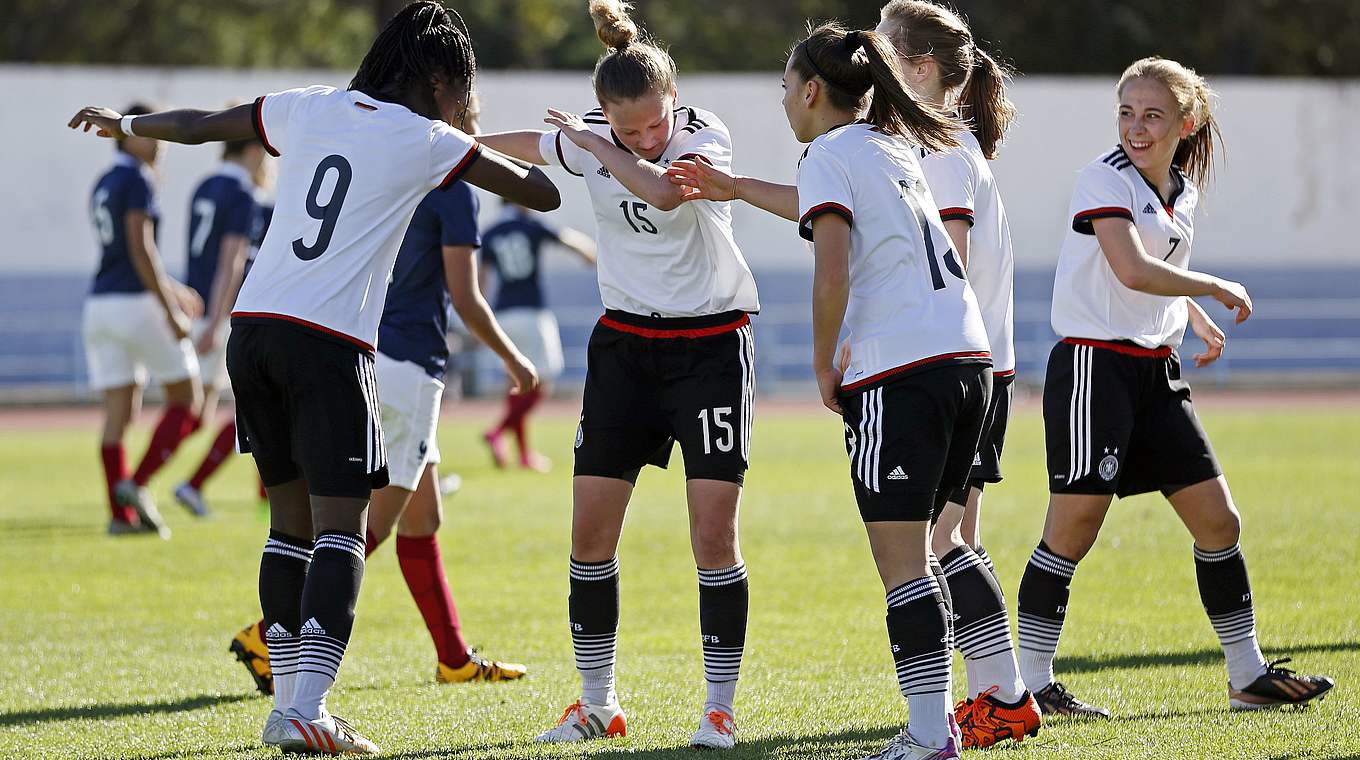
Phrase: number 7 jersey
[352,171]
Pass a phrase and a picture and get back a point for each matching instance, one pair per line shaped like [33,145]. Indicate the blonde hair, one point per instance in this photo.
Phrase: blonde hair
[1194,154]
[925,29]
[634,65]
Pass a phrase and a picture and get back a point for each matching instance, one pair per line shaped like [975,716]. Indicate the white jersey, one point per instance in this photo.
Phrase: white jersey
[1089,301]
[961,181]
[910,304]
[678,263]
[352,171]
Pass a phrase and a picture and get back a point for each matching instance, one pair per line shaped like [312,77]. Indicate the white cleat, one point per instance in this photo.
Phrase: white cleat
[581,723]
[192,499]
[717,730]
[139,498]
[904,747]
[275,729]
[327,735]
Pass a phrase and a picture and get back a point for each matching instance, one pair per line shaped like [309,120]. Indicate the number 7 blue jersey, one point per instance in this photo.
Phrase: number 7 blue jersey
[124,188]
[222,205]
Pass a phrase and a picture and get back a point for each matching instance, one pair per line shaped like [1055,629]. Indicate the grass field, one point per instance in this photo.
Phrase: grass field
[117,648]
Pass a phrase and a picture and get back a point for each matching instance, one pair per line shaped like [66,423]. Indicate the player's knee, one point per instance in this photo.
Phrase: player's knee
[1222,531]
[715,545]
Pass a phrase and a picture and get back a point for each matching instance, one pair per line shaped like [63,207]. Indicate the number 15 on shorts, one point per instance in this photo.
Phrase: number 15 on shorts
[718,431]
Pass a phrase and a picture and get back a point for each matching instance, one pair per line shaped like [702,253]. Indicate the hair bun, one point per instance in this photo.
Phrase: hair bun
[854,40]
[612,24]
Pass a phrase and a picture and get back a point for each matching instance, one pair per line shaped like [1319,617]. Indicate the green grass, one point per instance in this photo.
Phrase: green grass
[117,648]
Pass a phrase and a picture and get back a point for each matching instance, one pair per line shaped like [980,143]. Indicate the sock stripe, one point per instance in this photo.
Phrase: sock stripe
[1234,626]
[345,542]
[274,546]
[723,576]
[594,571]
[1051,563]
[913,590]
[1217,556]
[964,561]
[1039,634]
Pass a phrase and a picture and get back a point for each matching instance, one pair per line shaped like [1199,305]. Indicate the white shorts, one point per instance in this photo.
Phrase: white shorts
[534,332]
[410,416]
[212,367]
[127,337]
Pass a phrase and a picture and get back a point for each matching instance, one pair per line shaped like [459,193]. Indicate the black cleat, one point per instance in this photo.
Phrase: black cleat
[1278,687]
[1055,699]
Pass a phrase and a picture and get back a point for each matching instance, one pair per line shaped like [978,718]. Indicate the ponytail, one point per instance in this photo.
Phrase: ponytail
[832,53]
[1195,154]
[919,28]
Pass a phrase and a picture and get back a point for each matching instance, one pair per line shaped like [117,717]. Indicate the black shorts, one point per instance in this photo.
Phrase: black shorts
[987,463]
[306,405]
[912,439]
[652,381]
[1118,420]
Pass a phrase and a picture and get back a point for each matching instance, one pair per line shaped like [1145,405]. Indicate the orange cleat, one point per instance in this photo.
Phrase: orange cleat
[987,720]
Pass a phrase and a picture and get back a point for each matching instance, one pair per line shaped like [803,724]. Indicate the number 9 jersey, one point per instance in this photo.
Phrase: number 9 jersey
[352,171]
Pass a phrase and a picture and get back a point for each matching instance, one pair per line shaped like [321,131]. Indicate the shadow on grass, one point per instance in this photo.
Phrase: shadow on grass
[1092,664]
[215,752]
[16,530]
[119,709]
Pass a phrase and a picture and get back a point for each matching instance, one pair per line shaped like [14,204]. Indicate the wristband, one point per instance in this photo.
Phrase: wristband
[125,124]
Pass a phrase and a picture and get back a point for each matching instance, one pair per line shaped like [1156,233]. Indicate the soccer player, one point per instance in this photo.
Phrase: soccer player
[222,215]
[436,261]
[1118,417]
[355,164]
[671,360]
[914,392]
[944,65]
[137,319]
[513,249]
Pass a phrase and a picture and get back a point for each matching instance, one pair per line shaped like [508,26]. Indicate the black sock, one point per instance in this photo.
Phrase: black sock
[1044,591]
[593,608]
[327,616]
[986,558]
[724,597]
[949,617]
[919,635]
[1225,591]
[283,572]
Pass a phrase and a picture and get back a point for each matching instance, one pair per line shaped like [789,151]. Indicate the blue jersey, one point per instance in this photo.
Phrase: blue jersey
[124,188]
[415,318]
[223,204]
[264,214]
[513,249]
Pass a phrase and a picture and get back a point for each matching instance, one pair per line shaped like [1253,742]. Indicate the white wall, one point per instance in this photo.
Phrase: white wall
[1284,193]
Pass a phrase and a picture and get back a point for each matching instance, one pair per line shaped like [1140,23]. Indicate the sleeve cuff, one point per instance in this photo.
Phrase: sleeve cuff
[830,207]
[257,121]
[458,171]
[562,159]
[957,213]
[1081,221]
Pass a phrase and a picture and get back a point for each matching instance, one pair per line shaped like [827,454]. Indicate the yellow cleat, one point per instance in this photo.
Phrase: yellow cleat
[249,647]
[478,668]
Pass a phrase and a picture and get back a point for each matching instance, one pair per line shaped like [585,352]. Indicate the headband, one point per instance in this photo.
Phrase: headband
[807,54]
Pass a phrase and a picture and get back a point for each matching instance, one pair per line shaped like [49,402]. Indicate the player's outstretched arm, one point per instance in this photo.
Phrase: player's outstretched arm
[701,181]
[522,145]
[186,125]
[643,178]
[513,180]
[1137,270]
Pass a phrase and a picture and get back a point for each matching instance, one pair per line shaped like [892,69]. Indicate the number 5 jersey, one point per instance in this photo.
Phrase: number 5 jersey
[352,171]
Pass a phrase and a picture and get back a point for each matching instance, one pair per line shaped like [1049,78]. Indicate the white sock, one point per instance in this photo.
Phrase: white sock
[997,670]
[1036,669]
[309,694]
[597,686]
[926,721]
[1245,662]
[721,695]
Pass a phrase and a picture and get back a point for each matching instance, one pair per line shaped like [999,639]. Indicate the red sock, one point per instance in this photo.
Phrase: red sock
[521,405]
[371,543]
[175,425]
[224,444]
[115,469]
[424,573]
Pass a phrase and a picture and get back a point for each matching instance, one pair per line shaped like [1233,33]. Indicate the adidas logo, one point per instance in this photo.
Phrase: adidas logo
[1148,209]
[313,628]
[603,172]
[277,631]
[897,474]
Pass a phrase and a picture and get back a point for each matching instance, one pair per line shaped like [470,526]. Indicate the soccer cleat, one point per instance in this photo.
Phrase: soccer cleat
[327,735]
[249,647]
[1278,687]
[499,456]
[717,730]
[478,668]
[904,747]
[191,499]
[139,498]
[581,722]
[987,720]
[1055,699]
[275,729]
[124,528]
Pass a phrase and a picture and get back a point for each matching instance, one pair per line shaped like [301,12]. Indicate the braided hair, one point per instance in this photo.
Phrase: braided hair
[421,40]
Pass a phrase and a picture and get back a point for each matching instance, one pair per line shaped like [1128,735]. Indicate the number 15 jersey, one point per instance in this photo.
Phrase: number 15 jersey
[352,171]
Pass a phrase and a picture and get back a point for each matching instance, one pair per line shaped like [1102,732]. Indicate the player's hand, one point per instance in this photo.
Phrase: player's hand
[208,341]
[105,120]
[1213,337]
[180,324]
[523,375]
[701,181]
[573,126]
[829,385]
[1234,296]
[188,299]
